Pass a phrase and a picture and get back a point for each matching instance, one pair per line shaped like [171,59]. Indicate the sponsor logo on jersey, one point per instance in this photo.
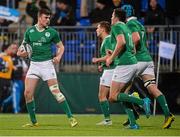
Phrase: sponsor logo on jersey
[47,34]
[43,39]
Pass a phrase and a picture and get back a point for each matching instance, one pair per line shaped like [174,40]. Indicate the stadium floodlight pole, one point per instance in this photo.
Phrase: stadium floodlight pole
[157,79]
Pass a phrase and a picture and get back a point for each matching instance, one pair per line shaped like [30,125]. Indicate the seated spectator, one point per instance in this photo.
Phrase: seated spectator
[100,13]
[155,14]
[64,15]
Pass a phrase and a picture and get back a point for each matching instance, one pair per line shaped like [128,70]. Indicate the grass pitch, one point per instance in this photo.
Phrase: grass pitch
[58,125]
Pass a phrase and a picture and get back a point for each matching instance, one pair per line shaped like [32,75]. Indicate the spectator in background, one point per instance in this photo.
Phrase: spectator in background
[117,3]
[19,69]
[155,15]
[100,13]
[33,7]
[4,22]
[65,14]
[5,72]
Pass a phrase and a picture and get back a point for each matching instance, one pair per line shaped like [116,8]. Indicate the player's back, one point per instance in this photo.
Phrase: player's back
[142,53]
[126,57]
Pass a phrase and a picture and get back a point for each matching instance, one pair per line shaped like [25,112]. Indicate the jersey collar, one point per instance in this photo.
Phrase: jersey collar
[107,36]
[131,18]
[38,28]
[120,22]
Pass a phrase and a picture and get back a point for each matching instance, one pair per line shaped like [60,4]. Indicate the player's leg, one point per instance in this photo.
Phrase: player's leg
[104,104]
[119,82]
[150,84]
[104,88]
[5,103]
[130,107]
[30,85]
[115,89]
[54,88]
[16,93]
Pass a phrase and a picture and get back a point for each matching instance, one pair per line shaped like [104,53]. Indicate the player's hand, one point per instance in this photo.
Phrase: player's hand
[22,53]
[108,61]
[94,60]
[100,68]
[56,60]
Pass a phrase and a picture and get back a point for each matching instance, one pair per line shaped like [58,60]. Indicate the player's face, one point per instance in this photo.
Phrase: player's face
[99,31]
[44,20]
[113,19]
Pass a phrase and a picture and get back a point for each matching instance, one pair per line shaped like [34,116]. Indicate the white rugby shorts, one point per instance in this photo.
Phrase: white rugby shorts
[106,77]
[124,73]
[44,70]
[145,68]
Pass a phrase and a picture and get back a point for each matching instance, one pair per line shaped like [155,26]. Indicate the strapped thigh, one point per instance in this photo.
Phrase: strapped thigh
[149,82]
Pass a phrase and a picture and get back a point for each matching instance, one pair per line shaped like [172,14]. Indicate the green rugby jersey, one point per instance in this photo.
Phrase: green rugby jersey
[41,42]
[105,45]
[127,56]
[142,53]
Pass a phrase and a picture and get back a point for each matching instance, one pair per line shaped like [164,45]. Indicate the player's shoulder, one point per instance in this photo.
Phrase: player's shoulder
[30,29]
[51,29]
[108,38]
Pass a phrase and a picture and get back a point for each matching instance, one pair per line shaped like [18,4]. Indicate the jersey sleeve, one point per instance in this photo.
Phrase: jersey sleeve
[26,36]
[132,27]
[56,39]
[117,30]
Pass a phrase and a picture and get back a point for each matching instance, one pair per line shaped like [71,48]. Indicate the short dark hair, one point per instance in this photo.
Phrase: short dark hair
[44,11]
[120,14]
[106,25]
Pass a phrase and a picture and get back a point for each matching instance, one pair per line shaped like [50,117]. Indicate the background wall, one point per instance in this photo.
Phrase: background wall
[81,90]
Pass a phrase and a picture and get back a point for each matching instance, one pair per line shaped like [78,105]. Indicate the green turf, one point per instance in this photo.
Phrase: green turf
[58,125]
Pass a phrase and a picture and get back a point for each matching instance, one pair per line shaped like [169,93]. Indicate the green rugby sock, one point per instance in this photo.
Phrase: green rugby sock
[31,110]
[128,98]
[163,103]
[64,105]
[130,114]
[105,109]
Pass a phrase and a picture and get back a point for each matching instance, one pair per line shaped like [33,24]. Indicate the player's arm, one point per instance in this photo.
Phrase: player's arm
[119,48]
[102,59]
[21,52]
[135,38]
[59,52]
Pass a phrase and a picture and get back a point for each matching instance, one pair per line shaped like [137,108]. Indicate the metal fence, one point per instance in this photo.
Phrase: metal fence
[81,44]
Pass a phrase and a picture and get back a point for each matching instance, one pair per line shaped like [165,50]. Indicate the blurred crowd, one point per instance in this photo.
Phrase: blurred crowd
[90,12]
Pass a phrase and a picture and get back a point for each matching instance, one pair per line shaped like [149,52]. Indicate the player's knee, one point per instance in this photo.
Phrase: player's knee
[56,93]
[112,98]
[28,95]
[102,97]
